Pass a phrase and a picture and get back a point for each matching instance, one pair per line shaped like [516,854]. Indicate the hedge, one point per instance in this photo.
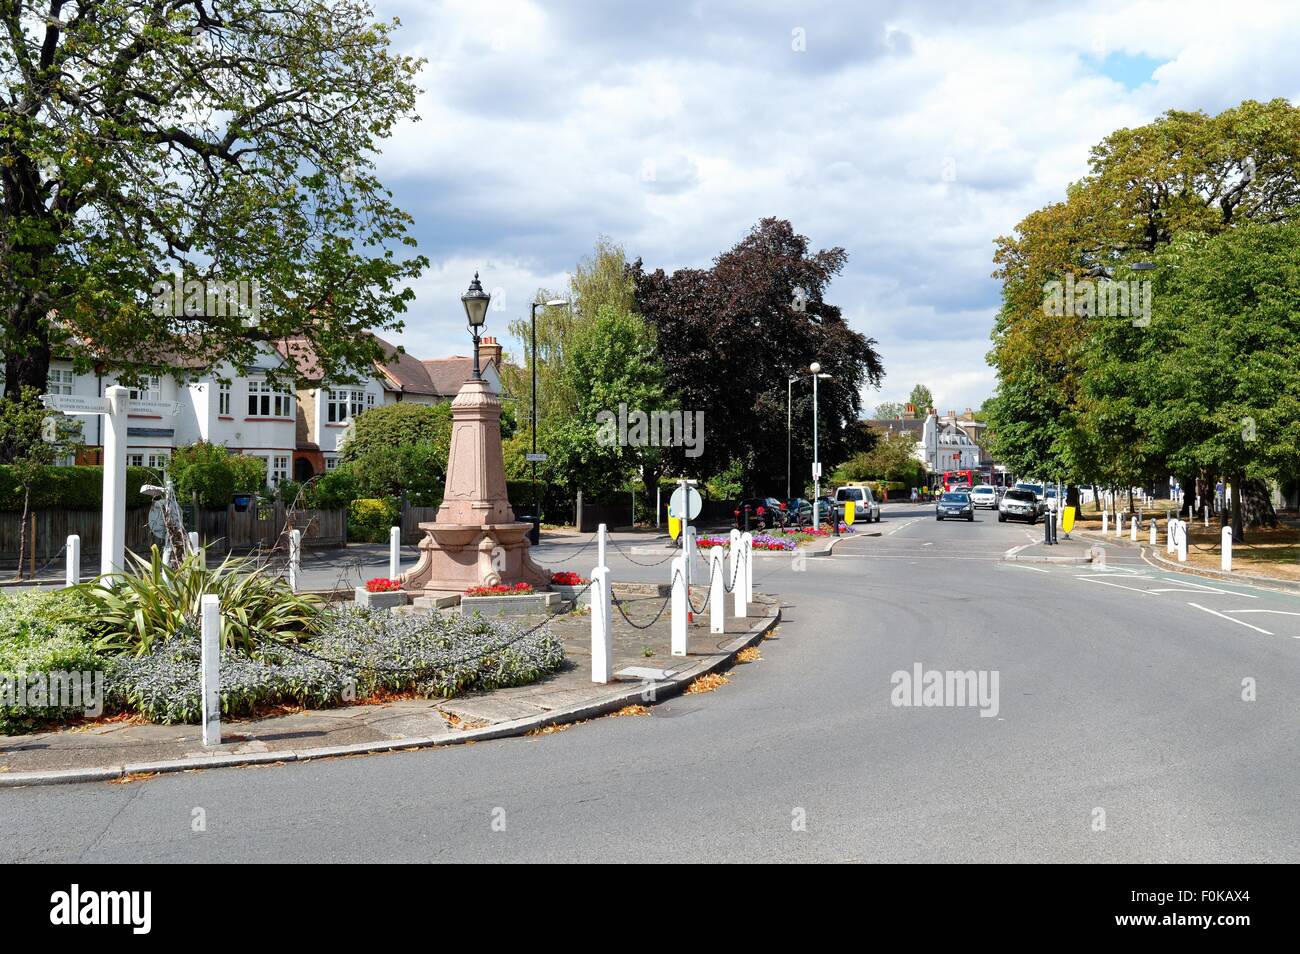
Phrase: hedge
[71,488]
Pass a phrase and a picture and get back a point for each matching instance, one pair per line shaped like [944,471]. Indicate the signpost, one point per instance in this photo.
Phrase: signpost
[115,406]
[685,504]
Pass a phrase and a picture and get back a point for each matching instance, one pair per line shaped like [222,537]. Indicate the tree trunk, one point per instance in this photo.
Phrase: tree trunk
[1072,497]
[1257,507]
[1187,484]
[1238,533]
[1130,498]
[22,530]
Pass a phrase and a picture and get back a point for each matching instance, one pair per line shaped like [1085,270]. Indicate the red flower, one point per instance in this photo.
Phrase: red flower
[382,584]
[568,578]
[519,589]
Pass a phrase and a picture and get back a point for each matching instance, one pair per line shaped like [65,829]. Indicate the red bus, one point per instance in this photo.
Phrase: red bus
[952,478]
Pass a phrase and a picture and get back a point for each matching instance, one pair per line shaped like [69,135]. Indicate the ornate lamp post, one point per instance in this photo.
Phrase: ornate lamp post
[476,302]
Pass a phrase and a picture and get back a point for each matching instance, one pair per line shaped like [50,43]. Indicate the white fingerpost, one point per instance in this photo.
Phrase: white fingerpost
[1182,541]
[688,551]
[295,558]
[602,649]
[1153,531]
[395,552]
[737,576]
[210,631]
[113,544]
[1133,529]
[747,543]
[1105,521]
[717,591]
[73,576]
[1225,561]
[679,607]
[600,546]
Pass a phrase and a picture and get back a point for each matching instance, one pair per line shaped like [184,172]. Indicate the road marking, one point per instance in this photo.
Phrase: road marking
[1239,622]
[1202,586]
[1121,586]
[1022,566]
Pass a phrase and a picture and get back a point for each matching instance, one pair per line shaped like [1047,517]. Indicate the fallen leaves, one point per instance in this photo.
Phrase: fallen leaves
[748,655]
[707,683]
[630,711]
[130,777]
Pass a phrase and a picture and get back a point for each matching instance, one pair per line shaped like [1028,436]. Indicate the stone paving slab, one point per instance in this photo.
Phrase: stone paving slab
[109,749]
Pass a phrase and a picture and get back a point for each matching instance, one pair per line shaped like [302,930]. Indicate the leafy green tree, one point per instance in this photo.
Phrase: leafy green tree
[891,459]
[210,142]
[921,399]
[400,450]
[890,410]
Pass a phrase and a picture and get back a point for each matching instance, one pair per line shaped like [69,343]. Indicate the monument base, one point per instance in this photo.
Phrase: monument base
[454,557]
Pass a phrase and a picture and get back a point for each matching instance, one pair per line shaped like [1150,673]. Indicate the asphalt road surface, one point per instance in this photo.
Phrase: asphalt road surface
[1118,732]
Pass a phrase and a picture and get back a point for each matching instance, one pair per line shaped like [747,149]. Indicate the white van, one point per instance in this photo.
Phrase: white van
[864,502]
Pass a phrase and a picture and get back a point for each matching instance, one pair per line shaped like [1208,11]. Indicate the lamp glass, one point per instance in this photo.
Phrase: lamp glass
[476,302]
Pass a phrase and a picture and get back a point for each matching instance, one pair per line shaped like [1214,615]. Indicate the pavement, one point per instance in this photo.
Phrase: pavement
[1142,715]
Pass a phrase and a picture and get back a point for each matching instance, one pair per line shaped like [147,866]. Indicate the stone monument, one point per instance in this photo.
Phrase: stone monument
[475,539]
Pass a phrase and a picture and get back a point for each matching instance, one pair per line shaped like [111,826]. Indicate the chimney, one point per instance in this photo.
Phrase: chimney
[489,350]
[968,415]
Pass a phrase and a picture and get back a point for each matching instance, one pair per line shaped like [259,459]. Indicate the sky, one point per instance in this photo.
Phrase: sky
[911,134]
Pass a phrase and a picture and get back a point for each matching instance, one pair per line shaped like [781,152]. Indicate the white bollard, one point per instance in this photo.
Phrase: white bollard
[73,576]
[1133,529]
[1182,541]
[210,630]
[1225,561]
[602,646]
[1205,514]
[295,558]
[1105,521]
[1153,532]
[747,544]
[717,591]
[395,552]
[679,606]
[1119,524]
[1171,530]
[600,545]
[194,540]
[737,574]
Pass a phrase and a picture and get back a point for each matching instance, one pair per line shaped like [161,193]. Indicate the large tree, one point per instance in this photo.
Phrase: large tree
[210,142]
[731,336]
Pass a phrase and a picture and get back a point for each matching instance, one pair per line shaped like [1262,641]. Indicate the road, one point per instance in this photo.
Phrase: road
[1121,734]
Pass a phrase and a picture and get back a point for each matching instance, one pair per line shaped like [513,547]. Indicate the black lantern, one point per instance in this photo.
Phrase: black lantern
[476,302]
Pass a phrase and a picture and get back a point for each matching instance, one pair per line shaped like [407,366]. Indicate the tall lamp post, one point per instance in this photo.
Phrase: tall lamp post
[815,372]
[476,302]
[535,534]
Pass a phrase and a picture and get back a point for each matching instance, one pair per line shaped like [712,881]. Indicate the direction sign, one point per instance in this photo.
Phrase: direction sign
[75,403]
[169,408]
[535,458]
[680,501]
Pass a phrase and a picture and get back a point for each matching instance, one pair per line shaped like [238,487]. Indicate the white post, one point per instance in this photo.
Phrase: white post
[210,630]
[747,544]
[679,607]
[1133,529]
[737,569]
[1225,561]
[1171,533]
[1119,524]
[1105,521]
[295,558]
[600,545]
[113,544]
[194,540]
[1205,514]
[395,552]
[1153,531]
[602,649]
[688,551]
[717,591]
[659,491]
[73,576]
[1182,541]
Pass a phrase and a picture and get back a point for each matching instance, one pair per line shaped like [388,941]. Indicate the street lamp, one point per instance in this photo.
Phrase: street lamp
[476,302]
[535,534]
[815,372]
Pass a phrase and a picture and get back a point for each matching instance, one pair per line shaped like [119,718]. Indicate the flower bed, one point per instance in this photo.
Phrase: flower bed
[567,578]
[762,541]
[382,584]
[518,589]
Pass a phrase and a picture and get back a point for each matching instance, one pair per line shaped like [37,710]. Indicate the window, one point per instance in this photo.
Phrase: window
[345,404]
[331,463]
[277,469]
[159,461]
[135,460]
[149,389]
[60,381]
[265,401]
[223,398]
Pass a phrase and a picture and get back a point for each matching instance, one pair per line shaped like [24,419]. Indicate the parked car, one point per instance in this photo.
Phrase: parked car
[985,495]
[1018,504]
[956,504]
[1040,495]
[799,512]
[764,513]
[825,506]
[865,506]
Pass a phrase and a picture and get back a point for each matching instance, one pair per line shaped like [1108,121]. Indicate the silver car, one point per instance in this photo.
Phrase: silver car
[864,503]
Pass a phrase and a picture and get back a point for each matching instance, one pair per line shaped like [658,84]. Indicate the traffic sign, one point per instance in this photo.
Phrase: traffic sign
[690,501]
[817,470]
[535,458]
[75,403]
[849,512]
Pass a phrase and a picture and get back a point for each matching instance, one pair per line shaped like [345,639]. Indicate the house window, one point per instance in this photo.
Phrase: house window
[135,460]
[345,404]
[60,381]
[149,389]
[265,401]
[159,461]
[277,469]
[223,399]
[331,463]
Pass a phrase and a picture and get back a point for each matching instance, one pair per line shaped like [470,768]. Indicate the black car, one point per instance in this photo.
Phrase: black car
[762,513]
[798,512]
[954,503]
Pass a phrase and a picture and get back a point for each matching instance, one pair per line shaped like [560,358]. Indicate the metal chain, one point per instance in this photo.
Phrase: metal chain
[571,556]
[627,556]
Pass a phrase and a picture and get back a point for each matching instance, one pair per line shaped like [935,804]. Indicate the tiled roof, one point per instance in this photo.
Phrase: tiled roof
[402,372]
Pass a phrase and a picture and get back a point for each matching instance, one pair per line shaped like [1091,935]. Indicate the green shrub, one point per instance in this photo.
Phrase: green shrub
[132,611]
[203,469]
[332,490]
[249,474]
[42,631]
[71,488]
[369,519]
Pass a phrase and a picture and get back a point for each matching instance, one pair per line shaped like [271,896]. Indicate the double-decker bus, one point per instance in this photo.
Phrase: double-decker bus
[955,478]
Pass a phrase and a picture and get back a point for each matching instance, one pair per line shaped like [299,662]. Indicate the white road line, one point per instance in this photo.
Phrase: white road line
[1022,566]
[1278,612]
[1210,589]
[1239,622]
[1090,579]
